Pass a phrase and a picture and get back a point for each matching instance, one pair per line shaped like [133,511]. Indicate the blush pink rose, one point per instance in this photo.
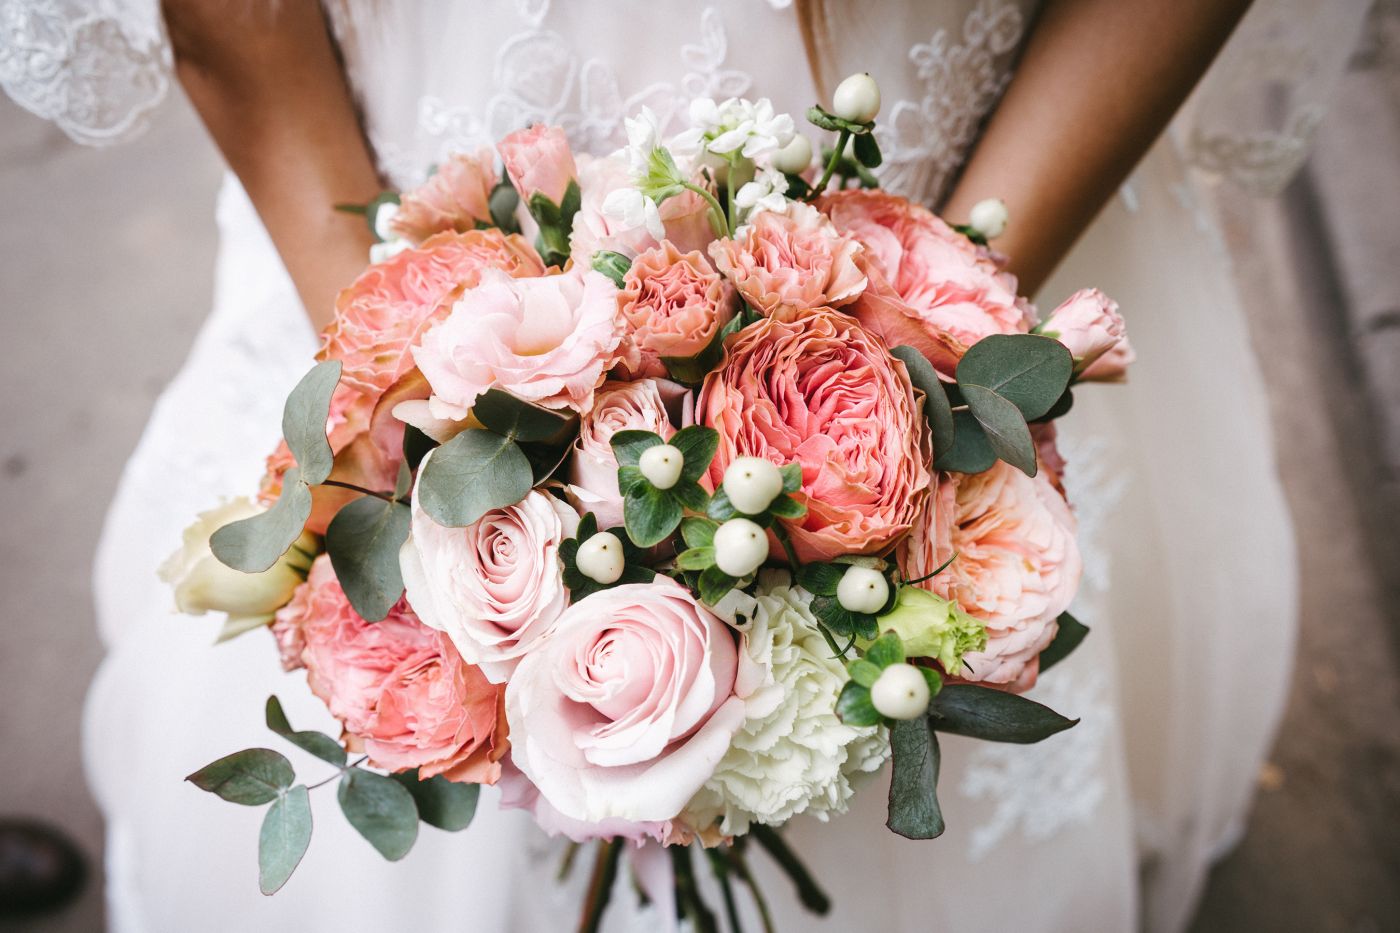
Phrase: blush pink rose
[1089,324]
[400,689]
[496,586]
[456,197]
[1017,566]
[626,710]
[822,391]
[934,289]
[685,216]
[785,264]
[539,161]
[657,405]
[547,340]
[381,317]
[675,304]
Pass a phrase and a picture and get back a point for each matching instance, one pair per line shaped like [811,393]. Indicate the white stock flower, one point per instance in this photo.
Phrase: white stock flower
[767,192]
[632,210]
[792,754]
[750,128]
[643,136]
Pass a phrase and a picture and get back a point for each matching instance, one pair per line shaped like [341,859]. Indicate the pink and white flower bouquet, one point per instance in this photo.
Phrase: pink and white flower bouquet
[677,521]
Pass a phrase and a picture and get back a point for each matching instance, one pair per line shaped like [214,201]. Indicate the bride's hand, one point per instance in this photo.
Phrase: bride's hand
[1098,82]
[266,81]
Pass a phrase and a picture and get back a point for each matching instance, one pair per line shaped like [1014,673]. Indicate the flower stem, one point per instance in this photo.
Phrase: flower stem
[354,764]
[386,496]
[722,869]
[688,892]
[735,855]
[717,219]
[842,139]
[808,891]
[601,885]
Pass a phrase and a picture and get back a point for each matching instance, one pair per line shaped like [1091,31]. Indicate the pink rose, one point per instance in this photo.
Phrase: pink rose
[1089,324]
[657,405]
[538,161]
[495,587]
[685,216]
[547,340]
[626,710]
[1017,568]
[380,318]
[822,391]
[456,197]
[785,264]
[933,288]
[401,691]
[675,304]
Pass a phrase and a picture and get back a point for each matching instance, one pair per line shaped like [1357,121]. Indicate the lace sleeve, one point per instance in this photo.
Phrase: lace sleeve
[1256,111]
[96,68]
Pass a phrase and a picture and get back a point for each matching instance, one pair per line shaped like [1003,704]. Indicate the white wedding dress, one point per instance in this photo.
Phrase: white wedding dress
[1190,574]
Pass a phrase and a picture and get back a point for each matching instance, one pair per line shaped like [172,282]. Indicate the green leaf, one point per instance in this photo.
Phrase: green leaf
[629,476]
[363,541]
[503,204]
[820,579]
[371,210]
[971,451]
[614,265]
[304,421]
[651,515]
[887,649]
[699,532]
[1028,370]
[786,507]
[381,809]
[1005,427]
[698,445]
[691,495]
[854,707]
[416,445]
[470,475]
[255,543]
[545,211]
[1071,633]
[933,679]
[720,508]
[696,558]
[692,370]
[937,408]
[587,526]
[866,150]
[792,476]
[819,116]
[914,812]
[317,743]
[714,585]
[285,834]
[994,715]
[628,446]
[863,672]
[251,777]
[448,805]
[520,420]
[573,200]
[1059,409]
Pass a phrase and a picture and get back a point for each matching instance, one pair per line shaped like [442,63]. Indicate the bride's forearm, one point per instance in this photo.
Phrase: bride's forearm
[266,81]
[1098,82]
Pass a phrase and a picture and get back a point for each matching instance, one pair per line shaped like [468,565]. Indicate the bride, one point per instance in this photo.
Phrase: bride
[1190,582]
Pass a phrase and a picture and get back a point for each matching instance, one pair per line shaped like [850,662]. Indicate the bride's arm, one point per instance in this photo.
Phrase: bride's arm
[266,81]
[1098,82]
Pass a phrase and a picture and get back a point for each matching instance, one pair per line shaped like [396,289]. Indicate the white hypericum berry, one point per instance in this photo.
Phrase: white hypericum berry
[862,590]
[741,547]
[661,465]
[900,692]
[600,558]
[752,483]
[794,158]
[989,217]
[857,99]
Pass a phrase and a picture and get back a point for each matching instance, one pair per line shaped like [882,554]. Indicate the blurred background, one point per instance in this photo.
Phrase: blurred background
[94,329]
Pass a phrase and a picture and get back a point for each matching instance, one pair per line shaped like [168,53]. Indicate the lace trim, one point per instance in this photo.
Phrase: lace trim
[96,70]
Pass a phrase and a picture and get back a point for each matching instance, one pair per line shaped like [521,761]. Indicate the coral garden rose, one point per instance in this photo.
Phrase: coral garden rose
[546,340]
[675,304]
[456,197]
[380,318]
[1089,324]
[685,217]
[496,586]
[657,405]
[625,710]
[932,288]
[1017,566]
[539,161]
[401,691]
[822,391]
[791,262]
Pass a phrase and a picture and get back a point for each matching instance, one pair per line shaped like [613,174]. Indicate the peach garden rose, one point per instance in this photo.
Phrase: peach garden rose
[675,304]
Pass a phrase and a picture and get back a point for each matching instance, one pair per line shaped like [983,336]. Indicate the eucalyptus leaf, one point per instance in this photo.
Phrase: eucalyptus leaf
[448,805]
[363,541]
[1028,370]
[914,812]
[470,475]
[503,204]
[994,715]
[251,777]
[854,706]
[650,513]
[520,420]
[255,543]
[381,809]
[304,421]
[971,451]
[1059,409]
[1070,634]
[316,743]
[697,445]
[937,408]
[1005,427]
[285,835]
[416,446]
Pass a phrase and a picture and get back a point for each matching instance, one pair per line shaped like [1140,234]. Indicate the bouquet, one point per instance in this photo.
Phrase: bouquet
[675,492]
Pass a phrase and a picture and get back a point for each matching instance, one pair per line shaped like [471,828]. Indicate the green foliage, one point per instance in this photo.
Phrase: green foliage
[304,421]
[651,514]
[854,706]
[699,532]
[720,508]
[1028,370]
[1071,633]
[936,406]
[581,585]
[520,420]
[914,812]
[697,445]
[381,809]
[285,834]
[714,584]
[820,117]
[628,446]
[316,743]
[503,204]
[363,541]
[994,715]
[614,265]
[886,650]
[1004,426]
[696,558]
[470,475]
[866,150]
[448,805]
[251,777]
[971,452]
[692,370]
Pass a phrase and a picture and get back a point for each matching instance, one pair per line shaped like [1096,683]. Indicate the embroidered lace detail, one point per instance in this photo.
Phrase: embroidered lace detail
[926,141]
[97,70]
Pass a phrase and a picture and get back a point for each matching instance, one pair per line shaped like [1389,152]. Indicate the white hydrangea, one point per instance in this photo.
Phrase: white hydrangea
[792,755]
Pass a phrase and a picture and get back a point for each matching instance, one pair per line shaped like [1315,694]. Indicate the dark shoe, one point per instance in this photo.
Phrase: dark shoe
[41,870]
